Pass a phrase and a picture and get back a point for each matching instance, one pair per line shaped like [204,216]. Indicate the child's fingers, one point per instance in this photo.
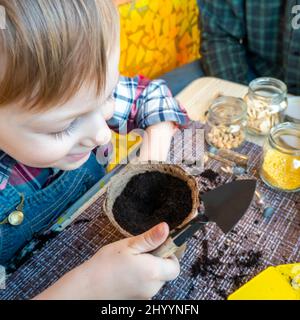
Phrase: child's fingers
[170,269]
[174,258]
[150,239]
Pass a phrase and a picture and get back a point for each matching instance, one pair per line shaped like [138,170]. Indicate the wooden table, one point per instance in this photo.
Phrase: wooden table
[197,97]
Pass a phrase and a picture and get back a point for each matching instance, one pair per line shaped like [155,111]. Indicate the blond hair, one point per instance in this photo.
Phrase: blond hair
[50,48]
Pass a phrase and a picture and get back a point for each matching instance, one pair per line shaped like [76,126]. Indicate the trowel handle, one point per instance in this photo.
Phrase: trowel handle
[166,249]
[180,235]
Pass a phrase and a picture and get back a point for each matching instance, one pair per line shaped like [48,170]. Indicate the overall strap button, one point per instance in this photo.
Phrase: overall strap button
[15,218]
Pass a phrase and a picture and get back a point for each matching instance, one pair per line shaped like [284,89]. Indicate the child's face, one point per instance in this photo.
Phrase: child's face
[64,136]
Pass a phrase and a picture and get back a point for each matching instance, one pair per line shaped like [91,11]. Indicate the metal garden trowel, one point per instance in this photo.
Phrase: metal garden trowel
[224,205]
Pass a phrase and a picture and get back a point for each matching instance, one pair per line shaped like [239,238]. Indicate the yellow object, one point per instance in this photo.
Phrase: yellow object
[123,145]
[281,157]
[274,283]
[281,170]
[158,36]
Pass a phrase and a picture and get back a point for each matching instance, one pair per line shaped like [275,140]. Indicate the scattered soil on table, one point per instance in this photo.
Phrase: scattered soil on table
[209,180]
[211,175]
[244,264]
[37,243]
[150,198]
[80,221]
[248,259]
[205,266]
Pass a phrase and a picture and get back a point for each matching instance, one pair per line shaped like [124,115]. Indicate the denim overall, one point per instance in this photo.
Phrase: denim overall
[42,208]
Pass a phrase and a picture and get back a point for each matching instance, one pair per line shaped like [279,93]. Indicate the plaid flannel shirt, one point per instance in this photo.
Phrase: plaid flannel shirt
[140,103]
[260,34]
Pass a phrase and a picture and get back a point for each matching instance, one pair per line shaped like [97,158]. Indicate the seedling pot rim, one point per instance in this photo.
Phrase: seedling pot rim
[120,180]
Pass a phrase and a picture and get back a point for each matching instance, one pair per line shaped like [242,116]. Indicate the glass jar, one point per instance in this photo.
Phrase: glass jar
[226,123]
[266,102]
[280,165]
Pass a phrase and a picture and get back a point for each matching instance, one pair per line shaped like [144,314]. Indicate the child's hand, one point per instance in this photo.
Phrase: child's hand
[157,141]
[127,271]
[121,270]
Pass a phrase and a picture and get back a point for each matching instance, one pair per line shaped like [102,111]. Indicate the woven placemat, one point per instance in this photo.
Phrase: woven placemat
[214,264]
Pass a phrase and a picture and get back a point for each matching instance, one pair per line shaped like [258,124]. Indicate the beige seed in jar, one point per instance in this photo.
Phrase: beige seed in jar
[262,114]
[265,126]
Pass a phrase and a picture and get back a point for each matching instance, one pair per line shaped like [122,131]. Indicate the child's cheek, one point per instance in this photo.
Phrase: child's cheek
[44,152]
[108,110]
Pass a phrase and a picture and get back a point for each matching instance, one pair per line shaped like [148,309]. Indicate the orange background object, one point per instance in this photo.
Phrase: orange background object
[158,35]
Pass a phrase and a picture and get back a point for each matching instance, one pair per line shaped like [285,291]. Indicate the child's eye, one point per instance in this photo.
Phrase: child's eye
[65,132]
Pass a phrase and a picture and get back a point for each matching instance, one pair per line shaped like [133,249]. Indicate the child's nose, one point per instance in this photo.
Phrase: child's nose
[99,136]
[103,136]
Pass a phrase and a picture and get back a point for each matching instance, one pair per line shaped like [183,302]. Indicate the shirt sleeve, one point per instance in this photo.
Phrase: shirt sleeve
[223,37]
[140,103]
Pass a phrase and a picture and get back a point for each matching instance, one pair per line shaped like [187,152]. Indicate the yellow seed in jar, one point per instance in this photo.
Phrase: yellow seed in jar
[281,170]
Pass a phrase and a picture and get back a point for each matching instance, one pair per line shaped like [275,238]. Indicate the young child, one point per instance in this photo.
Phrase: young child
[60,95]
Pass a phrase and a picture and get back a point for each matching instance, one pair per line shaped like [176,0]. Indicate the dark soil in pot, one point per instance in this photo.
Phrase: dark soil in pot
[150,198]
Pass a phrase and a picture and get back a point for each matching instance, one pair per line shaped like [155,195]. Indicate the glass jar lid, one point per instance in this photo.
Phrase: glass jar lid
[268,88]
[227,109]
